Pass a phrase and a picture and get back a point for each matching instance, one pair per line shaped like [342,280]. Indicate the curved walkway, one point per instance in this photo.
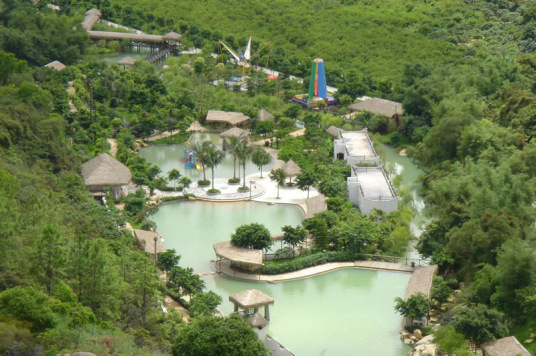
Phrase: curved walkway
[227,271]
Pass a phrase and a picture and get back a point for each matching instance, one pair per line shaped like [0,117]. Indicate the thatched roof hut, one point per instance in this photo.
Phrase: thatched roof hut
[127,61]
[244,257]
[315,205]
[333,132]
[264,115]
[57,65]
[235,132]
[251,298]
[291,168]
[507,346]
[257,321]
[226,117]
[196,126]
[91,17]
[147,240]
[376,106]
[105,171]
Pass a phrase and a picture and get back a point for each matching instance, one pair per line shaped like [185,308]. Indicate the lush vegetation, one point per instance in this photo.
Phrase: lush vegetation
[464,71]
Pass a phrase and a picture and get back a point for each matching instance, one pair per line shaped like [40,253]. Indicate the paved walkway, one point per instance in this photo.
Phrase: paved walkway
[227,271]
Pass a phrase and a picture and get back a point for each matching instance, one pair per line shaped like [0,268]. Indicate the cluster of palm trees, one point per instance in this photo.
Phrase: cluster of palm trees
[209,156]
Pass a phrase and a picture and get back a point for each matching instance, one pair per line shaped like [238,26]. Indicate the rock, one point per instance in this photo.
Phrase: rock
[431,350]
[528,341]
[417,333]
[532,334]
[402,153]
[426,340]
[408,342]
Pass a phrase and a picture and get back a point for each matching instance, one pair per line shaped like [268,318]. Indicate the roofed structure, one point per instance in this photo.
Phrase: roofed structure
[421,281]
[264,115]
[91,17]
[354,147]
[105,171]
[127,61]
[196,126]
[507,346]
[257,321]
[172,36]
[291,168]
[57,65]
[376,106]
[118,36]
[369,188]
[243,257]
[251,298]
[147,239]
[315,205]
[226,117]
[235,132]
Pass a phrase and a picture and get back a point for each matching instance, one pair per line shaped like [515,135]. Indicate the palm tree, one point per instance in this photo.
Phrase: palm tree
[278,176]
[215,158]
[201,150]
[232,144]
[244,152]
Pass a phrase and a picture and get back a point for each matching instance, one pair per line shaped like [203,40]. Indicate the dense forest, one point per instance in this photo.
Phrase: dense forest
[72,277]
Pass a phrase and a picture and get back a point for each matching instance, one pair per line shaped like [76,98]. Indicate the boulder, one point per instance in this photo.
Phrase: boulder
[431,350]
[426,340]
[417,333]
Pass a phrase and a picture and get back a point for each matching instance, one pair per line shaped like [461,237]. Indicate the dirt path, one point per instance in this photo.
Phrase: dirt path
[113,146]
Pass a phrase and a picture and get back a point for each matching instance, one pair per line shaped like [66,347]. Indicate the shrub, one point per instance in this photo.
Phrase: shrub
[213,191]
[243,189]
[307,261]
[203,183]
[233,180]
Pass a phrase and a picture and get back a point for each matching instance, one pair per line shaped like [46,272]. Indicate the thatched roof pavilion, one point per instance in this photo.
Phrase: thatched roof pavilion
[105,171]
[243,257]
[147,239]
[252,298]
[333,132]
[127,61]
[235,132]
[421,281]
[57,65]
[118,36]
[315,205]
[226,117]
[264,115]
[507,346]
[376,106]
[291,169]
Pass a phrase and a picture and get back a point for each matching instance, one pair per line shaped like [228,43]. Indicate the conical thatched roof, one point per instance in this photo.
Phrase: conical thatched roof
[251,298]
[172,36]
[196,126]
[127,61]
[291,168]
[333,132]
[104,170]
[226,117]
[57,65]
[235,132]
[257,321]
[265,115]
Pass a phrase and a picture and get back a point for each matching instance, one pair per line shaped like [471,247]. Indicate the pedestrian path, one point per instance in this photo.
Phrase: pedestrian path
[224,267]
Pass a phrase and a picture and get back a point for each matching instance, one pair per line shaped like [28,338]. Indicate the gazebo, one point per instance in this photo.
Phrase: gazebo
[226,117]
[252,299]
[196,126]
[264,115]
[378,106]
[151,241]
[127,61]
[291,169]
[315,205]
[105,171]
[234,132]
[238,256]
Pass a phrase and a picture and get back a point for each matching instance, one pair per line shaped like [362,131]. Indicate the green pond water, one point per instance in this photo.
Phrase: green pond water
[169,157]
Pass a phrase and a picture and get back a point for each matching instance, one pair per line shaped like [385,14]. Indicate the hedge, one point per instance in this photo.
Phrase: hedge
[308,261]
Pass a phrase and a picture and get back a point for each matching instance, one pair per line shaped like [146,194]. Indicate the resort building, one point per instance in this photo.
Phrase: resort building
[105,172]
[369,188]
[355,147]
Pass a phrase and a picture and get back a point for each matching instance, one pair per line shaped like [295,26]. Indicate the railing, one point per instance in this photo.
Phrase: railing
[394,259]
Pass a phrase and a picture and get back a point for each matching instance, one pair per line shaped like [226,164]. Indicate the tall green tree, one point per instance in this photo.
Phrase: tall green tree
[254,235]
[260,158]
[278,176]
